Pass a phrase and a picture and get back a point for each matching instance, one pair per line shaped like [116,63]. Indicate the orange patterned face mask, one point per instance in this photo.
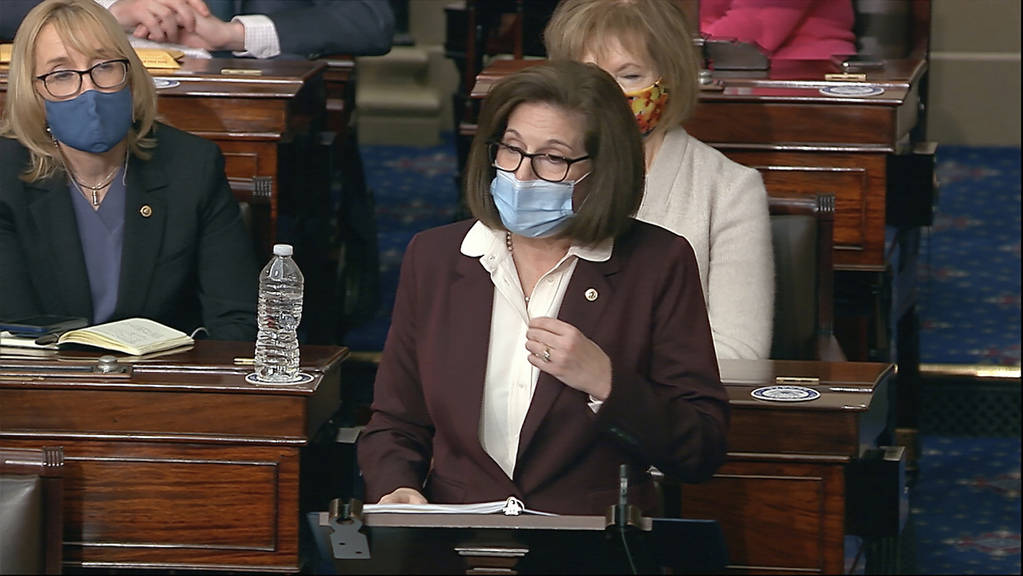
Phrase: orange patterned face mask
[648,104]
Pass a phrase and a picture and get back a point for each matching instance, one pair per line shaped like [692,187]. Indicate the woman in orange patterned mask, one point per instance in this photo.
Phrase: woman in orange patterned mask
[691,188]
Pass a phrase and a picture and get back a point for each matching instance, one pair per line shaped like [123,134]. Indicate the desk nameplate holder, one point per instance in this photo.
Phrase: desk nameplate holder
[104,367]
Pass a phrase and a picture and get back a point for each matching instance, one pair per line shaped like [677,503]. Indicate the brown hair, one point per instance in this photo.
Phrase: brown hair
[88,28]
[654,28]
[615,184]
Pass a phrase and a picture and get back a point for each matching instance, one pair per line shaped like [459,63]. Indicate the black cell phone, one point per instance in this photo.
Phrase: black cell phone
[42,324]
[855,62]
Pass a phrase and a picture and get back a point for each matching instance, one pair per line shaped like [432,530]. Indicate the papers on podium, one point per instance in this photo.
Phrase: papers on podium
[510,507]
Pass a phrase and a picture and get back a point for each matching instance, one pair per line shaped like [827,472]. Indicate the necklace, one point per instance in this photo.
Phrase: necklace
[94,189]
[508,243]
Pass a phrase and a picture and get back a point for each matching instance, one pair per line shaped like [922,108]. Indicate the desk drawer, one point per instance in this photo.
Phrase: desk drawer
[251,169]
[858,181]
[168,505]
[775,516]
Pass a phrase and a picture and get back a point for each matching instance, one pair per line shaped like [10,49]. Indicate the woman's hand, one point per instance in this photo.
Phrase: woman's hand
[403,496]
[562,351]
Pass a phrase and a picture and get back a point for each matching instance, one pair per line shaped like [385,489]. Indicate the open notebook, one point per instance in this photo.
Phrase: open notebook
[510,507]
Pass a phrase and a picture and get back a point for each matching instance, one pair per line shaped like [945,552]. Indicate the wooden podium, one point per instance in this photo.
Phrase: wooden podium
[172,462]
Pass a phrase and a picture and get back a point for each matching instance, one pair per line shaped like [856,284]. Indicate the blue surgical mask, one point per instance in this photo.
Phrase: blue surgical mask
[93,121]
[533,208]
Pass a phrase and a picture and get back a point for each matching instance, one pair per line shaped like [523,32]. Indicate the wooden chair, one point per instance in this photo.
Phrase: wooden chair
[31,510]
[802,229]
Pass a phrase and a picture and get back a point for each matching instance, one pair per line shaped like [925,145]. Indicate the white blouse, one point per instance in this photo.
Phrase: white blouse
[510,379]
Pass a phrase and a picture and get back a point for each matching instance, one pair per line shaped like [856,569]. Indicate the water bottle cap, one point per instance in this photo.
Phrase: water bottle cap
[283,250]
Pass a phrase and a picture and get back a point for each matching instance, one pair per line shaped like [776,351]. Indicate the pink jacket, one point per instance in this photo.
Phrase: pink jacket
[784,29]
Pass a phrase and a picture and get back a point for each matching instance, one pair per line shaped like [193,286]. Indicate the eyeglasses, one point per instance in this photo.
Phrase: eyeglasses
[105,75]
[549,167]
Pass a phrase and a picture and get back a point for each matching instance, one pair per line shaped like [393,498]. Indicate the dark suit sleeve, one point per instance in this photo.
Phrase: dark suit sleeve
[316,27]
[395,447]
[16,297]
[227,269]
[12,12]
[676,414]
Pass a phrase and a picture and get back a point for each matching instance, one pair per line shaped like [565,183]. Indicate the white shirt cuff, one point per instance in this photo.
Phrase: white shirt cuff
[106,3]
[261,39]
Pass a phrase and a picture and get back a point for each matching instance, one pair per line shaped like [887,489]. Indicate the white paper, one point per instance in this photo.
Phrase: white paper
[510,507]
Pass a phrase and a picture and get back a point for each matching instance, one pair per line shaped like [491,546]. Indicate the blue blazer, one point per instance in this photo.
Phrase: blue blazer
[190,263]
[313,28]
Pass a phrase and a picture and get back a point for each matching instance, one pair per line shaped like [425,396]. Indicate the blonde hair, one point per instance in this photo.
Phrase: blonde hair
[654,28]
[87,27]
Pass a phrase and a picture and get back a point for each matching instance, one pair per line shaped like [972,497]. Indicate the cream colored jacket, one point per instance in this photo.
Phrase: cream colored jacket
[721,208]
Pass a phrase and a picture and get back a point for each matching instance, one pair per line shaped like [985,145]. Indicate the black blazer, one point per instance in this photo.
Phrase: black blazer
[189,263]
[313,28]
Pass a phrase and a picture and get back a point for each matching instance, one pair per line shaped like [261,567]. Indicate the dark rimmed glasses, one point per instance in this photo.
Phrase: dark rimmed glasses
[67,83]
[549,167]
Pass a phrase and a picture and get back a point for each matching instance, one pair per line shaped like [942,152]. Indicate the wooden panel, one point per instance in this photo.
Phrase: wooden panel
[242,116]
[858,181]
[766,123]
[246,160]
[192,496]
[775,517]
[793,432]
[127,413]
[146,504]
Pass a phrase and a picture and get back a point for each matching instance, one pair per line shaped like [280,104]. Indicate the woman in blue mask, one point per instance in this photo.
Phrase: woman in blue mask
[105,213]
[691,189]
[553,338]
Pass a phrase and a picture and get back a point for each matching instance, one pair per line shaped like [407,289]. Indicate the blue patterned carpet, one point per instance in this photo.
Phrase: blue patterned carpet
[965,506]
[414,190]
[970,260]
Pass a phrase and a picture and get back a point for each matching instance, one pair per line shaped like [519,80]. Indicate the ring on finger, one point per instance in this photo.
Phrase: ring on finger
[547,354]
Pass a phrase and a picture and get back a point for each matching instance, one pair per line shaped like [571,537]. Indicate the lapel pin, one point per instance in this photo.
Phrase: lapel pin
[591,294]
[146,211]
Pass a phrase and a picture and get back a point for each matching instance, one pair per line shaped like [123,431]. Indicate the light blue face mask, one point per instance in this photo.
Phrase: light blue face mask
[93,121]
[533,208]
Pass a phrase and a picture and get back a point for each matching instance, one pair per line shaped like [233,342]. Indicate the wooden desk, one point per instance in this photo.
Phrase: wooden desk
[803,141]
[265,124]
[781,497]
[181,465]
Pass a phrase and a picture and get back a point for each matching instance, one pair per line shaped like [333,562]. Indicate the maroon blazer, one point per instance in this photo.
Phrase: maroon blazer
[667,406]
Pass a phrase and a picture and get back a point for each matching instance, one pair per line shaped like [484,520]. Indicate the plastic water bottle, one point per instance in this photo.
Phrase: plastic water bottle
[278,314]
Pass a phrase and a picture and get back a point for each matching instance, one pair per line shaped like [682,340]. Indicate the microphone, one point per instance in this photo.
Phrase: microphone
[623,494]
[622,511]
